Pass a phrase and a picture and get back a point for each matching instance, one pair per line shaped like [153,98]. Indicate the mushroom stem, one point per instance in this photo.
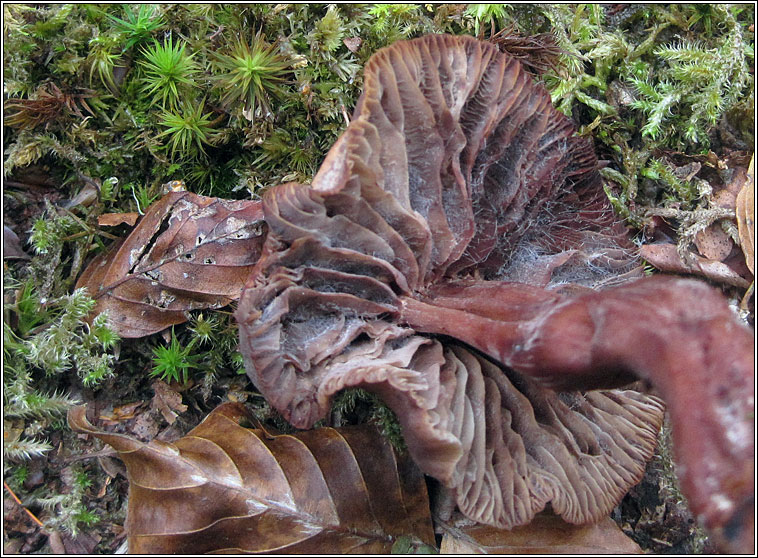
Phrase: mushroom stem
[491,336]
[679,335]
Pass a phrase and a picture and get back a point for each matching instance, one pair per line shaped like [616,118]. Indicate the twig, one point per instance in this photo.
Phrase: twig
[85,233]
[87,228]
[30,514]
[101,453]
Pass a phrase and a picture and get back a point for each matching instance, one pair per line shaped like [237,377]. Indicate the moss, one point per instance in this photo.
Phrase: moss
[656,52]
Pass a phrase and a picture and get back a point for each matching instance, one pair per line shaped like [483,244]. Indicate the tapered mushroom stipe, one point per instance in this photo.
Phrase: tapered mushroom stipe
[696,355]
[456,254]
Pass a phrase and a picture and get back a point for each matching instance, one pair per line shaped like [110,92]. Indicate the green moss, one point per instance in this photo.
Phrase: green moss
[172,362]
[203,350]
[189,130]
[356,405]
[168,72]
[138,23]
[249,75]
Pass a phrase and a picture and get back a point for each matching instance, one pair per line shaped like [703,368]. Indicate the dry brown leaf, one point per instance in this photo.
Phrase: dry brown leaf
[188,252]
[226,488]
[353,43]
[56,544]
[12,249]
[546,534]
[666,258]
[112,467]
[746,217]
[115,219]
[713,243]
[167,401]
[103,487]
[82,543]
[121,413]
[145,426]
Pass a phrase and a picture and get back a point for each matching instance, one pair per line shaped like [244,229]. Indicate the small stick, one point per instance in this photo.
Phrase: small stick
[85,233]
[30,514]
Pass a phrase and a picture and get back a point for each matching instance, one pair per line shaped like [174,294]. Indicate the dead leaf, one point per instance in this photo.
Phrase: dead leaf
[746,217]
[12,249]
[167,401]
[145,426]
[188,252]
[56,543]
[713,243]
[83,543]
[104,487]
[353,43]
[327,490]
[111,466]
[115,219]
[666,258]
[121,413]
[546,534]
[16,517]
[725,195]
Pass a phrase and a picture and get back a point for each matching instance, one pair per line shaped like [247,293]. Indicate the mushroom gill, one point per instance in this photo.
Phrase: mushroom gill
[456,255]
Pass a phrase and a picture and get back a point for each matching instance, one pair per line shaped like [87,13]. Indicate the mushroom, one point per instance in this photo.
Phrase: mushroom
[455,254]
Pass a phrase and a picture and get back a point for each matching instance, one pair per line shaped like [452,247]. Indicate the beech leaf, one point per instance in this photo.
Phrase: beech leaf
[227,488]
[546,534]
[188,252]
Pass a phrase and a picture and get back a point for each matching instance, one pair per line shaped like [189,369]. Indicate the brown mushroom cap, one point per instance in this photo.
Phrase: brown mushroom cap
[449,243]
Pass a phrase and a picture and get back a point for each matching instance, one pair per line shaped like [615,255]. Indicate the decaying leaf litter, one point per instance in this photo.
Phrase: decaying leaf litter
[188,252]
[149,430]
[317,491]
